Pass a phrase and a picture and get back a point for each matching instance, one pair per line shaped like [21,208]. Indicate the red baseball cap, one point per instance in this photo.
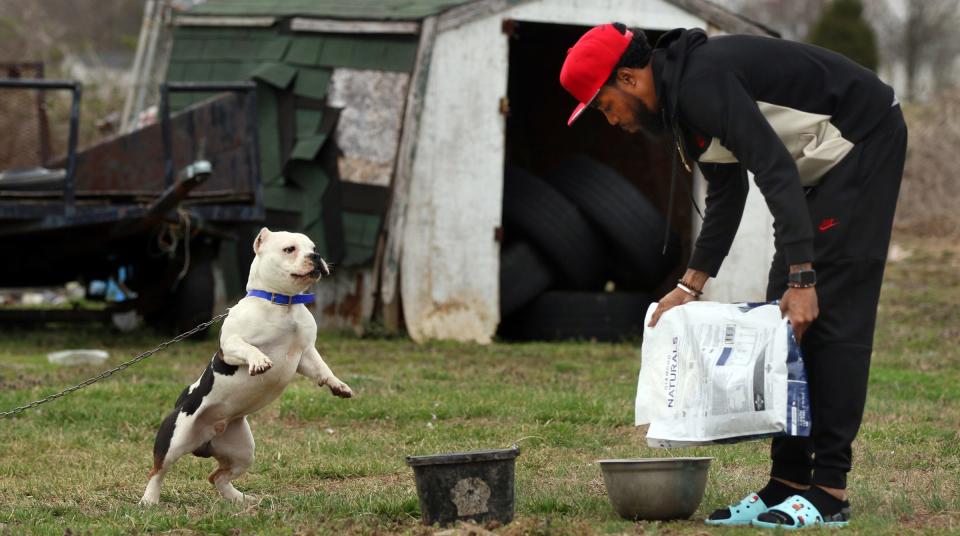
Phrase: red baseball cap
[590,62]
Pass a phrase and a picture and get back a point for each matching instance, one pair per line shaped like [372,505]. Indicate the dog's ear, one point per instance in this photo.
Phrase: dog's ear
[261,238]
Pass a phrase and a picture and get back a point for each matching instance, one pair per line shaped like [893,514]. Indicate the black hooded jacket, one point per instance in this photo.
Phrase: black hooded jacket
[788,112]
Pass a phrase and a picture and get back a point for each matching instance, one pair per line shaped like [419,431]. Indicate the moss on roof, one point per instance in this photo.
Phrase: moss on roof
[334,9]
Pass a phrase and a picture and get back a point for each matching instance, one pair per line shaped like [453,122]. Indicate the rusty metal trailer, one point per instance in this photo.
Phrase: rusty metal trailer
[154,204]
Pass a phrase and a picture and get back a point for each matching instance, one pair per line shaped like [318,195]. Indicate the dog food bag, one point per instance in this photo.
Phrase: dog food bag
[721,373]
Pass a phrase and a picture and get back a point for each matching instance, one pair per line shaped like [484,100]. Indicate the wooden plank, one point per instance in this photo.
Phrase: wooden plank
[299,24]
[449,275]
[387,260]
[229,22]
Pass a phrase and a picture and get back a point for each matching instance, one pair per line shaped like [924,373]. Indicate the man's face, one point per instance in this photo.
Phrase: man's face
[625,110]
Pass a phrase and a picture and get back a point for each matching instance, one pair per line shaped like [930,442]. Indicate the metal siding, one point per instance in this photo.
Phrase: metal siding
[360,234]
[401,58]
[337,51]
[315,232]
[307,147]
[280,197]
[304,50]
[197,71]
[310,183]
[308,122]
[218,48]
[188,48]
[271,163]
[278,75]
[179,101]
[312,83]
[175,71]
[244,49]
[223,71]
[273,48]
[193,47]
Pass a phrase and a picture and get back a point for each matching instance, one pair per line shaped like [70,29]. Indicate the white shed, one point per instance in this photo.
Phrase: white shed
[442,254]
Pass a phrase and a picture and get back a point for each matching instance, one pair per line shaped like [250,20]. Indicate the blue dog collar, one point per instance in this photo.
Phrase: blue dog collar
[281,299]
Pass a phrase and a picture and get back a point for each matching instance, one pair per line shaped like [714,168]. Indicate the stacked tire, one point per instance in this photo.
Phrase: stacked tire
[567,237]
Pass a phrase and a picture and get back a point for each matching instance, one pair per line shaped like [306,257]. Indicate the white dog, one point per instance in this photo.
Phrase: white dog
[270,334]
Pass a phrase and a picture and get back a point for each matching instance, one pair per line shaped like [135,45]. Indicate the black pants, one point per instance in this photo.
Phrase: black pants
[852,213]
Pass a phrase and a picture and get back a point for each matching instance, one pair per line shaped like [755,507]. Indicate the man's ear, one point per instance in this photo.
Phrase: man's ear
[626,76]
[261,238]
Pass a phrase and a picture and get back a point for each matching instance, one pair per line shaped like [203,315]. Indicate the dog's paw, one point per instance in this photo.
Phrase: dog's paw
[338,388]
[240,498]
[261,366]
[149,501]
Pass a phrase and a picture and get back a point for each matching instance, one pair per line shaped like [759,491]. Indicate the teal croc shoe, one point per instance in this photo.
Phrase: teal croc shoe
[740,514]
[798,513]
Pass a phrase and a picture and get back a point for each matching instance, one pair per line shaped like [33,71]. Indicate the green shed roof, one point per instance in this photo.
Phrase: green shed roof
[335,9]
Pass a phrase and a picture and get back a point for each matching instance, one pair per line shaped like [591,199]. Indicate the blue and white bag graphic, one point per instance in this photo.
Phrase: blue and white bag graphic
[721,373]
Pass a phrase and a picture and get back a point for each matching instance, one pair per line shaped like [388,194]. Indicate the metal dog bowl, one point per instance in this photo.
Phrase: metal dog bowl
[655,488]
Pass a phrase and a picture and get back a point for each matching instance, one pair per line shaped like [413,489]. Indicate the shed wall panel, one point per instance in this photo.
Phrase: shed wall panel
[743,276]
[449,264]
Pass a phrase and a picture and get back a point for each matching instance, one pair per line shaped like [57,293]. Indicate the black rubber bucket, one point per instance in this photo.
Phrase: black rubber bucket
[466,486]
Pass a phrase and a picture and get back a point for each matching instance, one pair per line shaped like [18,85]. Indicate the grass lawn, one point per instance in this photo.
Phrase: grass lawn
[326,465]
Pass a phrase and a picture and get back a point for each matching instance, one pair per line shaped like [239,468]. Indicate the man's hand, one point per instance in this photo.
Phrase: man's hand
[695,278]
[800,306]
[673,298]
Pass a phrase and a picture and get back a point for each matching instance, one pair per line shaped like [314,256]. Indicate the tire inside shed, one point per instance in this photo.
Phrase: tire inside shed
[538,139]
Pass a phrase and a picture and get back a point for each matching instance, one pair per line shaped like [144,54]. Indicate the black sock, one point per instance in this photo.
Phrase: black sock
[775,492]
[827,504]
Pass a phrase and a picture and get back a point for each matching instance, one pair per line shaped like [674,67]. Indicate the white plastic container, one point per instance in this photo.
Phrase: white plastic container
[78,357]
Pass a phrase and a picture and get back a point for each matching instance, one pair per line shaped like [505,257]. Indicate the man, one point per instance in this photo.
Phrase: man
[825,140]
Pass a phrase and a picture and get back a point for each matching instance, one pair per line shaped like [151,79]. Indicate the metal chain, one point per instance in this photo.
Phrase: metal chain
[118,368]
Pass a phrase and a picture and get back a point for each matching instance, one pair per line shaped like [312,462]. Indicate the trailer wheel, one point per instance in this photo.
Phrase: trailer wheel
[523,276]
[559,315]
[193,299]
[628,220]
[555,227]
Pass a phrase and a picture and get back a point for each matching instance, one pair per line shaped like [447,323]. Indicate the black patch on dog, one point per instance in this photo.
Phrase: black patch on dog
[221,367]
[189,402]
[182,397]
[162,443]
